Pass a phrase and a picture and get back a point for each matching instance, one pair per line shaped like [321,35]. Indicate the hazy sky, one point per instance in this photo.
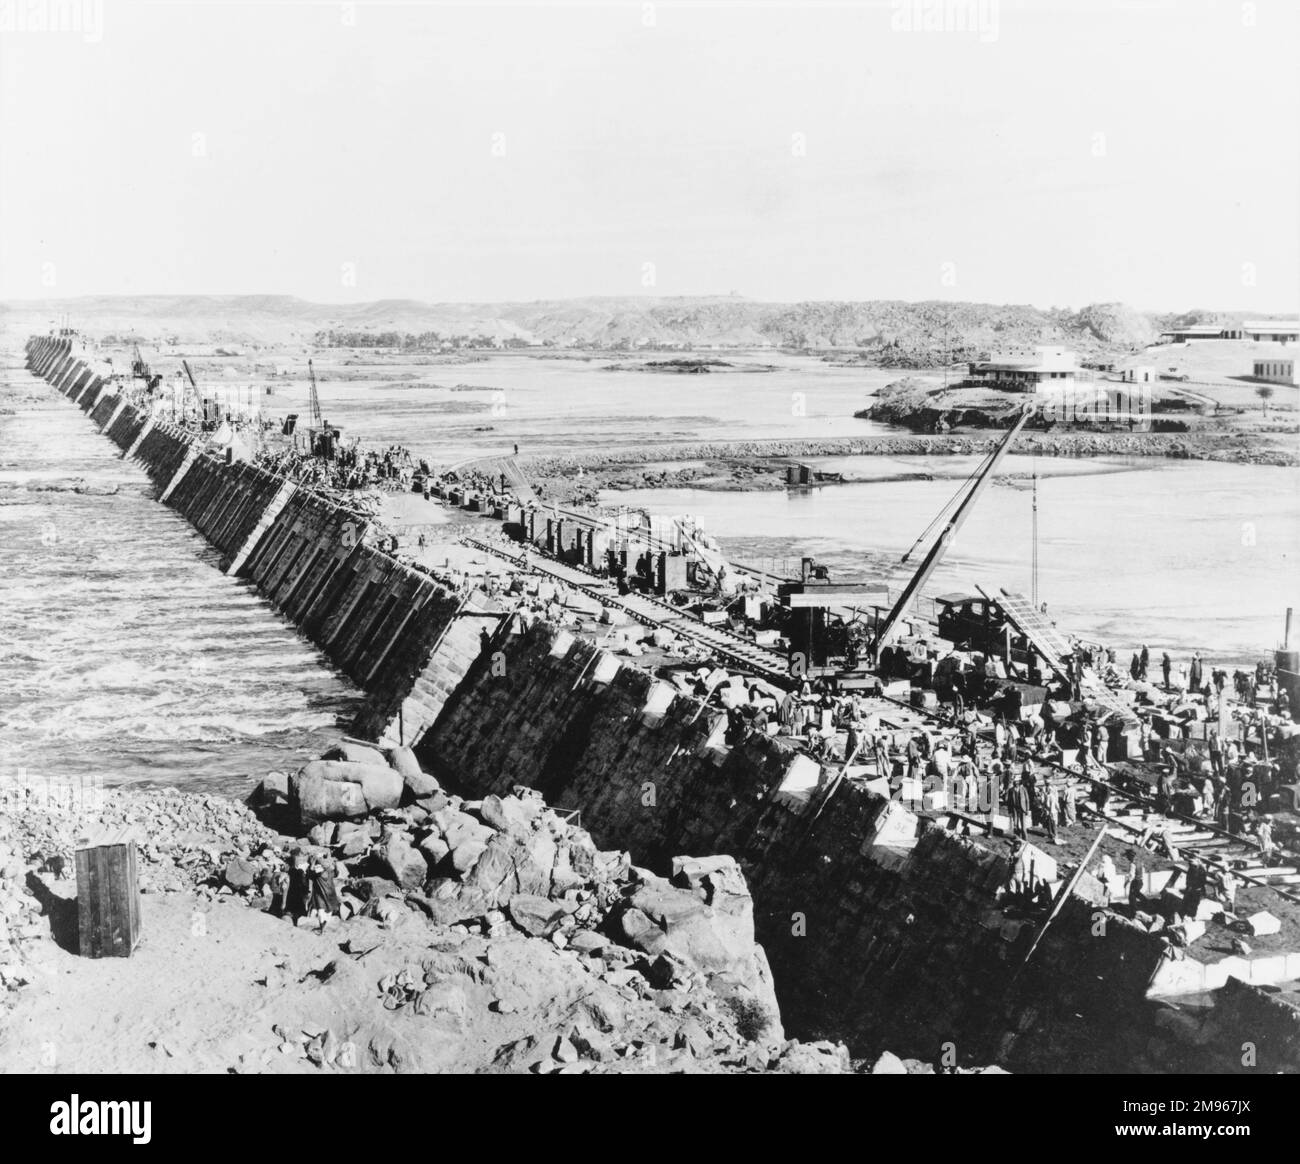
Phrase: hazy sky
[1056,154]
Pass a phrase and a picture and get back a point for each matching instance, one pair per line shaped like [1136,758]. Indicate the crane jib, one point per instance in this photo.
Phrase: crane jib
[937,551]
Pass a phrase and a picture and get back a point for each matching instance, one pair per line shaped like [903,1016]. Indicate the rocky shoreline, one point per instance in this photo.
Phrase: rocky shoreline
[759,465]
[488,936]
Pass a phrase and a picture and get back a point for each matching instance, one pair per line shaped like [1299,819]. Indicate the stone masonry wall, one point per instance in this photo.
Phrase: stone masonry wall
[909,950]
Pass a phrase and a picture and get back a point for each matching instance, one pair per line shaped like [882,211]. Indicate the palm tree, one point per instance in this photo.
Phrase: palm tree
[1265,393]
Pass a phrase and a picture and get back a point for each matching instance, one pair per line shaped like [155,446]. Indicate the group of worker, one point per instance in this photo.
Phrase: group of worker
[350,468]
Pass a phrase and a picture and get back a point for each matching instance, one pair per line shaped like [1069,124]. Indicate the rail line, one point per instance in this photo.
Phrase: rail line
[1136,814]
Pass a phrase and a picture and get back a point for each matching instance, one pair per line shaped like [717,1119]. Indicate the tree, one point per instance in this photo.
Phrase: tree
[1265,393]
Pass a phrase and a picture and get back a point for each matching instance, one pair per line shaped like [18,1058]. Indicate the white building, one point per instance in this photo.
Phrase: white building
[1201,331]
[1275,371]
[1143,374]
[1277,331]
[1028,371]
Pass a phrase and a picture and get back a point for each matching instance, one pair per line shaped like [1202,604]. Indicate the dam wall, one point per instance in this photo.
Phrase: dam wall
[875,934]
[375,618]
[882,928]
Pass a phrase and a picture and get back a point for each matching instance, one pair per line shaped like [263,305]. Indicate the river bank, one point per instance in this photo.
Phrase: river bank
[731,466]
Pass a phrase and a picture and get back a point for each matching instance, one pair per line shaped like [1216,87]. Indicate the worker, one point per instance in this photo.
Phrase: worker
[1164,791]
[1166,665]
[1144,660]
[940,760]
[1264,831]
[1051,809]
[1226,884]
[1000,775]
[1194,890]
[1215,747]
[1136,881]
[1100,797]
[1194,674]
[883,763]
[1135,666]
[1068,815]
[1020,805]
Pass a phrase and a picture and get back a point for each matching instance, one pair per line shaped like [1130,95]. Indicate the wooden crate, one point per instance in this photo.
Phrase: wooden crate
[108,897]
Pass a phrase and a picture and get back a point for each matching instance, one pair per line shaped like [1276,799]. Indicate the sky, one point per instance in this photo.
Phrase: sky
[1048,153]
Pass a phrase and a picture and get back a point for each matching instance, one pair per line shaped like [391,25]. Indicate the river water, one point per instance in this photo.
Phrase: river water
[452,412]
[1181,555]
[125,653]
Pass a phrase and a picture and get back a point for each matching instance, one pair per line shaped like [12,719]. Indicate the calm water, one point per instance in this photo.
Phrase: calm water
[557,405]
[1131,552]
[124,651]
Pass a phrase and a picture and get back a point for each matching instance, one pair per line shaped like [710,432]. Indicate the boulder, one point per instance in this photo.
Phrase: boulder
[352,842]
[272,792]
[239,873]
[322,834]
[404,864]
[459,829]
[434,849]
[888,1064]
[685,927]
[538,917]
[355,754]
[465,855]
[315,799]
[508,866]
[380,785]
[820,1058]
[509,814]
[418,783]
[709,930]
[588,942]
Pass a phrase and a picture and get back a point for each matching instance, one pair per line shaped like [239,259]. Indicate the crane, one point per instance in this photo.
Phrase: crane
[198,399]
[139,369]
[317,425]
[936,552]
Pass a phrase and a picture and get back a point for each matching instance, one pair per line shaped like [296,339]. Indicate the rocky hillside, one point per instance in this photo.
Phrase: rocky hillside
[892,333]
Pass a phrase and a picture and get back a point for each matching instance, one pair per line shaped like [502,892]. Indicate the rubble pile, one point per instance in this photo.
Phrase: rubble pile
[503,866]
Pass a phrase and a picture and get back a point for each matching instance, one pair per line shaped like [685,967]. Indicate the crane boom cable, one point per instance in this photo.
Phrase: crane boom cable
[1033,579]
[938,517]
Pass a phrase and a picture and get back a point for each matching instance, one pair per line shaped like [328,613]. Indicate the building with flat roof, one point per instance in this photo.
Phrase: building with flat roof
[1139,374]
[1275,371]
[1027,371]
[1201,331]
[1277,331]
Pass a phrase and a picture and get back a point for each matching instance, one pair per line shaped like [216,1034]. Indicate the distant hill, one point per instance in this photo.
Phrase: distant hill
[892,333]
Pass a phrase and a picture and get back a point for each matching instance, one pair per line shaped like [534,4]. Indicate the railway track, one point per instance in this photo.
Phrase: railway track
[1137,815]
[725,644]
